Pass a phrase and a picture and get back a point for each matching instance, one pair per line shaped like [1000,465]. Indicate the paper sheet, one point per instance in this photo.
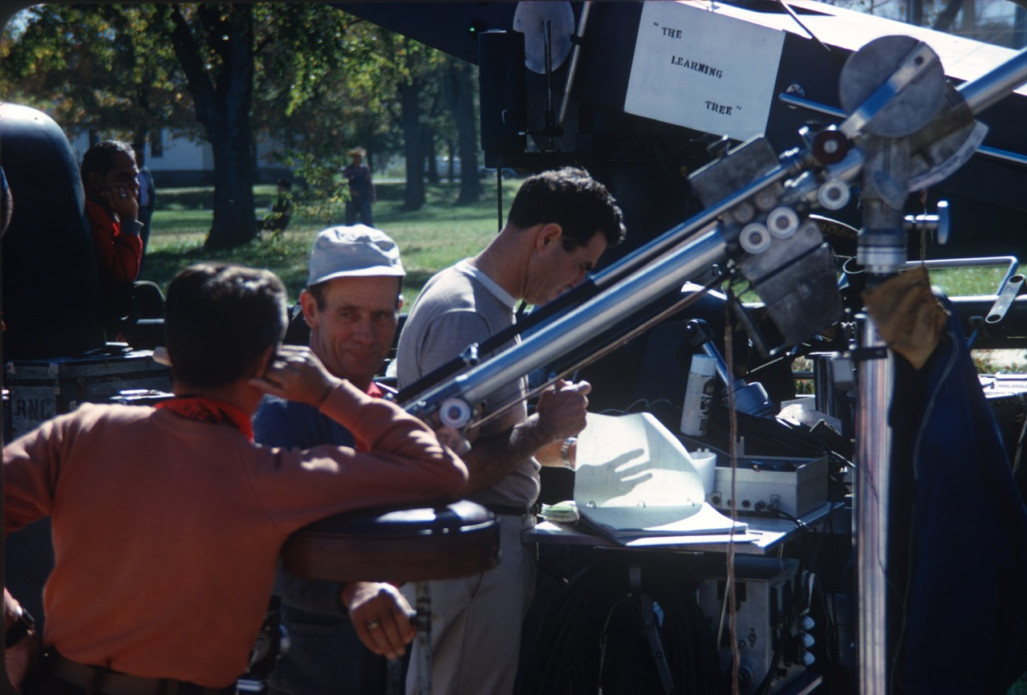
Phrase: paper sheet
[635,478]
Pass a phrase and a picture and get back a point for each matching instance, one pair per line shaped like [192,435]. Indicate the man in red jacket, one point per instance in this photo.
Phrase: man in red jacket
[110,178]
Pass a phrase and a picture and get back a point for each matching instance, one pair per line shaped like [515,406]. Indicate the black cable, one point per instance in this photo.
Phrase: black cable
[764,436]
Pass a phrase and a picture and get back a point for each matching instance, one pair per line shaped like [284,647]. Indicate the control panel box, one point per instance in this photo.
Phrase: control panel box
[41,389]
[768,483]
[769,607]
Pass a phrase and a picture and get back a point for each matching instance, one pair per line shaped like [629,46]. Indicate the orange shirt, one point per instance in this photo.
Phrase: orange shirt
[167,530]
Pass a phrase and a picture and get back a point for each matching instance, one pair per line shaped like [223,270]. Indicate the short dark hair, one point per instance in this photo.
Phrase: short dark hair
[99,158]
[219,318]
[573,199]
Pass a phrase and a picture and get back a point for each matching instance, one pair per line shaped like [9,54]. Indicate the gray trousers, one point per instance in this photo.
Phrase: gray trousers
[476,621]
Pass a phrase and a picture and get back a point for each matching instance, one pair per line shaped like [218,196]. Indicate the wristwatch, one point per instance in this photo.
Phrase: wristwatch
[19,629]
[565,450]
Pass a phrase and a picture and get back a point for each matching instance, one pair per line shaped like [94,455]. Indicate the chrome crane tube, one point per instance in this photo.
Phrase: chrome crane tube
[657,267]
[996,85]
[680,255]
[453,402]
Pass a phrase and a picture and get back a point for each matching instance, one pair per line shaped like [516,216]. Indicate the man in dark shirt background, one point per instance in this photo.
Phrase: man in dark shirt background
[361,188]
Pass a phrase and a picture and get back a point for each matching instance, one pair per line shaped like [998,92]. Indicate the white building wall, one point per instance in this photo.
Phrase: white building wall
[179,154]
[181,157]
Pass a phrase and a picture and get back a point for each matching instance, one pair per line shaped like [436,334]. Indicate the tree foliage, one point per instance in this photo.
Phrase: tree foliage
[992,21]
[95,68]
[458,87]
[408,75]
[311,79]
[320,97]
[214,44]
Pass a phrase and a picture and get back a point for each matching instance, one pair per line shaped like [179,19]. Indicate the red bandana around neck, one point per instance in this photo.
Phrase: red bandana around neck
[204,409]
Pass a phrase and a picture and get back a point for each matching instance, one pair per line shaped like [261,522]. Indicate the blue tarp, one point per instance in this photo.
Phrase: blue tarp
[958,559]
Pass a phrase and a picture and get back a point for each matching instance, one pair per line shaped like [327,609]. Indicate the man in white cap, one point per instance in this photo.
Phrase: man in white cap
[351,305]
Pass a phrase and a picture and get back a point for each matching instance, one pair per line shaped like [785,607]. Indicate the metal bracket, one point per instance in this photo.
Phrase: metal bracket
[867,354]
[649,629]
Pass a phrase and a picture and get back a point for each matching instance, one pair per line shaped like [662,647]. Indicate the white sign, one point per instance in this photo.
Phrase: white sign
[702,70]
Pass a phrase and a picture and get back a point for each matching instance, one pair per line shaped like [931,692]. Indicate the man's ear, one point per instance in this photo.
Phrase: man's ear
[309,306]
[549,233]
[264,360]
[94,181]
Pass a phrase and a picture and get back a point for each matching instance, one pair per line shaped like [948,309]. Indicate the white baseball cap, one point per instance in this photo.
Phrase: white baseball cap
[353,251]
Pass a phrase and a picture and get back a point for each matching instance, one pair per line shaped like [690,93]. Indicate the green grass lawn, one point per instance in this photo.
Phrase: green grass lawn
[959,282]
[429,239]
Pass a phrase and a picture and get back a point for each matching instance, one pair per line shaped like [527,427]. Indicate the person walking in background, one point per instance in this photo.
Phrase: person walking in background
[351,305]
[559,224]
[361,188]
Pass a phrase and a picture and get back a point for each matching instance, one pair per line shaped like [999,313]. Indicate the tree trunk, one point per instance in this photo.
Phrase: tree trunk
[943,22]
[234,221]
[451,156]
[916,12]
[968,16]
[139,136]
[430,155]
[1019,27]
[410,104]
[460,96]
[223,104]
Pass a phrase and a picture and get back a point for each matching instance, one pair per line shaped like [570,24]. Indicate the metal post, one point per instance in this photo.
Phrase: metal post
[882,251]
[423,638]
[873,456]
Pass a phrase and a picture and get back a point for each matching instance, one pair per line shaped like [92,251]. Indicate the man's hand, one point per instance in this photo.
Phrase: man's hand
[381,617]
[123,201]
[296,374]
[21,656]
[451,437]
[562,409]
[559,414]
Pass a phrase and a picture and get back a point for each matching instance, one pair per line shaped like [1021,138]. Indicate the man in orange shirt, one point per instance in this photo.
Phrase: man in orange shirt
[168,521]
